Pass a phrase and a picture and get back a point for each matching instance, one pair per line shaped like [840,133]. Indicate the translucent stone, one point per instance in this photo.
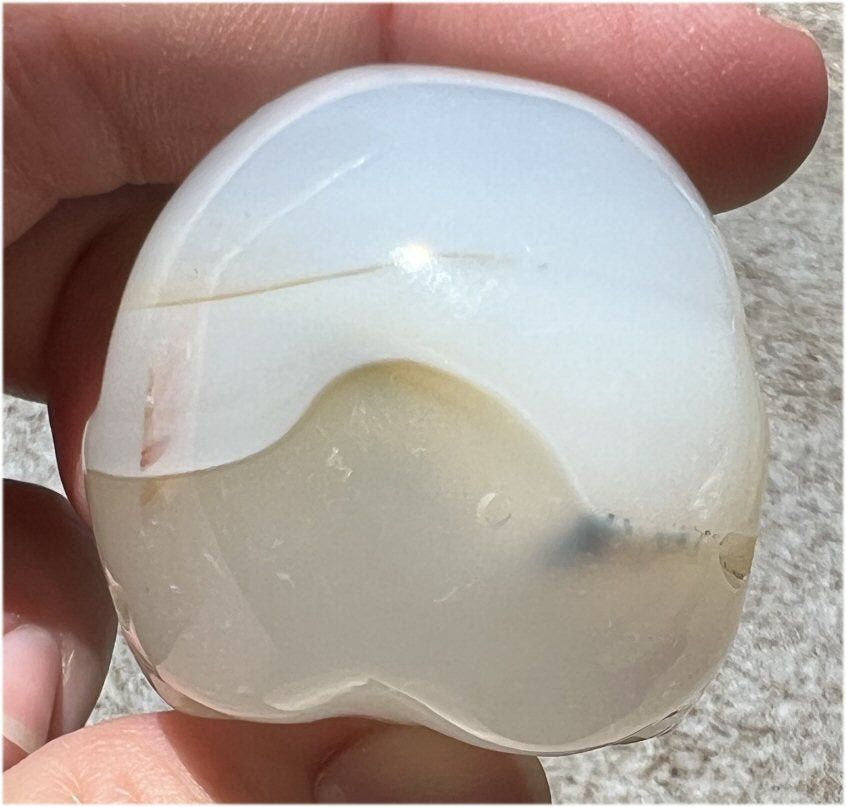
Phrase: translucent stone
[429,399]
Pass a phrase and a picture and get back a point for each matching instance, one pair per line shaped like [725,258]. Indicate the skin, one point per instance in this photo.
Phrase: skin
[107,109]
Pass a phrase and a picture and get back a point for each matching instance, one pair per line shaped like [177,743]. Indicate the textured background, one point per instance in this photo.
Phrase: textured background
[768,729]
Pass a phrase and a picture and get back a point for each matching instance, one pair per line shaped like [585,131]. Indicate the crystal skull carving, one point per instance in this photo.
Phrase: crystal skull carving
[429,399]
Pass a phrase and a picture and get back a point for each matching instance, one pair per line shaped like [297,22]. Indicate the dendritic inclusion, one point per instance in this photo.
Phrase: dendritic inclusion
[450,419]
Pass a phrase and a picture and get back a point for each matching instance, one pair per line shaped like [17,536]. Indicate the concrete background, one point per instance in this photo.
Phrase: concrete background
[769,728]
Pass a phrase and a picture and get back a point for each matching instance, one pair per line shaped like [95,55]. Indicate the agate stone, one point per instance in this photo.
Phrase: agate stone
[429,399]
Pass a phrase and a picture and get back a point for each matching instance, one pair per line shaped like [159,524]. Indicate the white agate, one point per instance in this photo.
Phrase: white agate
[429,399]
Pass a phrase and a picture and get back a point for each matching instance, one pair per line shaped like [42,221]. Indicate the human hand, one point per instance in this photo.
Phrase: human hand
[107,108]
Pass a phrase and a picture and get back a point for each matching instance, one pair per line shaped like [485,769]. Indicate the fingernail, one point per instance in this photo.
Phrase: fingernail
[787,22]
[403,764]
[32,671]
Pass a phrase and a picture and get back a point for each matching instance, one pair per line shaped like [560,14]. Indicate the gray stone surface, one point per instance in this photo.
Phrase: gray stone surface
[768,729]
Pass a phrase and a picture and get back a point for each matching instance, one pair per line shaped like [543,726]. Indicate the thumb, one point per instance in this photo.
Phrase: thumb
[171,757]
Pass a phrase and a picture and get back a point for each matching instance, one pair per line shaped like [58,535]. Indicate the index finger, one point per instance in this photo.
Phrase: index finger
[138,93]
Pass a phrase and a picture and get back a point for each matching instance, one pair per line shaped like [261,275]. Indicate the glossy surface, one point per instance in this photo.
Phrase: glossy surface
[448,419]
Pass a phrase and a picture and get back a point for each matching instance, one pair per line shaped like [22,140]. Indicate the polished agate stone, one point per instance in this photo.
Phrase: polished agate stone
[429,399]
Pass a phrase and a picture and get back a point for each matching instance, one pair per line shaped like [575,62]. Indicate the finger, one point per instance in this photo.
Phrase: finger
[738,99]
[59,624]
[60,330]
[38,281]
[170,757]
[138,93]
